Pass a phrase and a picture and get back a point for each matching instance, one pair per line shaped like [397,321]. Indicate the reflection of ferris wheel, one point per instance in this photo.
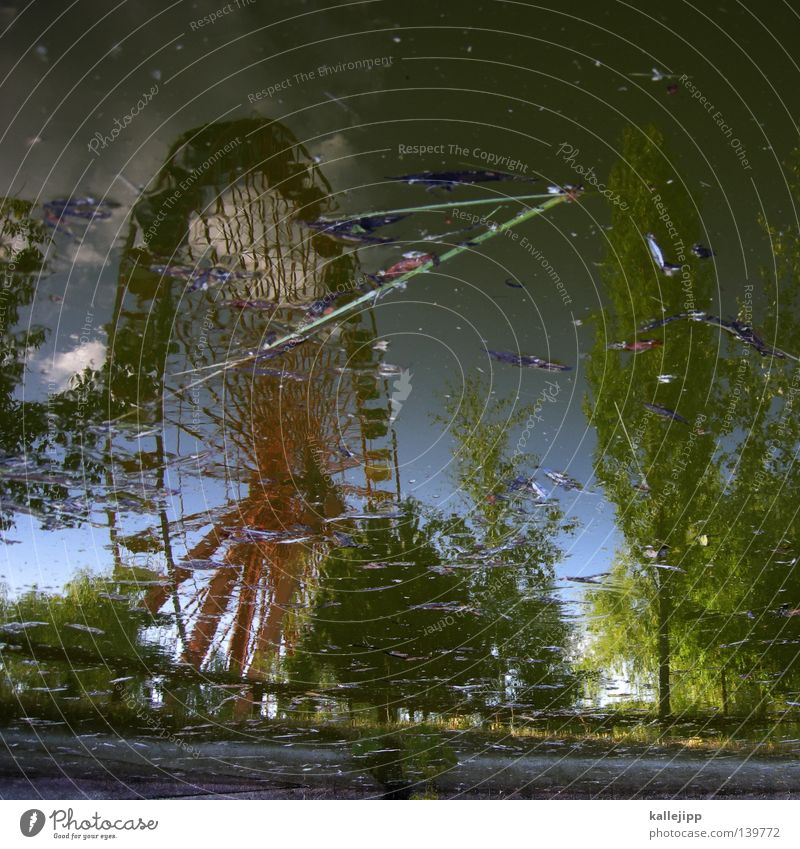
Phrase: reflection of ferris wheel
[284,437]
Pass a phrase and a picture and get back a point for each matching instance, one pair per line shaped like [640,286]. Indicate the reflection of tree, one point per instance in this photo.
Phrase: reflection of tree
[20,241]
[752,623]
[43,443]
[447,615]
[64,647]
[704,634]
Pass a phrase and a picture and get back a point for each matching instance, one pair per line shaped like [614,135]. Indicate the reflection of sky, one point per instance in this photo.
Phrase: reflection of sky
[49,559]
[440,340]
[73,301]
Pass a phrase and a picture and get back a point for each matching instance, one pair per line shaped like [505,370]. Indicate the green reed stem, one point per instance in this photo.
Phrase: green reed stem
[374,294]
[333,219]
[398,282]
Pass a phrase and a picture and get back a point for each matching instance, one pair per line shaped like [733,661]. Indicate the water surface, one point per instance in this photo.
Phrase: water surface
[384,533]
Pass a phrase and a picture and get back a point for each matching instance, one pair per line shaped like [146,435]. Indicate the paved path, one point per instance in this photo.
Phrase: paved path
[59,766]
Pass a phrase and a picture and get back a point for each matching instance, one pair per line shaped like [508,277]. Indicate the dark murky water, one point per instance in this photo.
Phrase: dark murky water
[386,526]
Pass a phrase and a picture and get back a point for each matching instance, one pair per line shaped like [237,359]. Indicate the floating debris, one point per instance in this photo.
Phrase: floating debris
[359,229]
[658,256]
[280,350]
[20,627]
[345,540]
[655,250]
[660,322]
[493,499]
[636,347]
[258,535]
[275,372]
[385,564]
[514,284]
[525,484]
[396,514]
[178,272]
[524,361]
[449,179]
[562,480]
[586,579]
[87,629]
[665,412]
[703,252]
[401,656]
[405,266]
[568,190]
[447,606]
[655,75]
[87,208]
[372,222]
[743,332]
[199,277]
[202,565]
[254,304]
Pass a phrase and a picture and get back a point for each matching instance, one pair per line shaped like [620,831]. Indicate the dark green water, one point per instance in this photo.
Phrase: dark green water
[333,536]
